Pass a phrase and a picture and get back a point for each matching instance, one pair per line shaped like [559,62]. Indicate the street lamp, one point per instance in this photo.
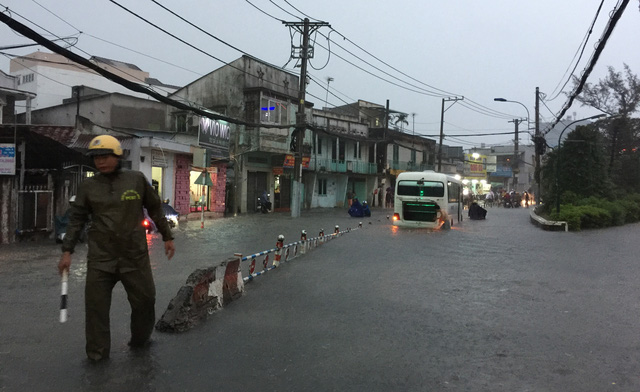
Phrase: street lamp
[519,103]
[326,99]
[558,157]
[515,144]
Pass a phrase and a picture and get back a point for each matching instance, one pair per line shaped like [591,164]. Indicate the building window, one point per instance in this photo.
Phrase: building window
[413,156]
[273,111]
[396,153]
[181,123]
[319,146]
[424,157]
[28,78]
[322,186]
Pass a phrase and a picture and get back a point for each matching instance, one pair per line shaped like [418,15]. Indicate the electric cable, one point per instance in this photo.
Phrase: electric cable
[264,12]
[584,45]
[613,20]
[38,73]
[31,34]
[295,16]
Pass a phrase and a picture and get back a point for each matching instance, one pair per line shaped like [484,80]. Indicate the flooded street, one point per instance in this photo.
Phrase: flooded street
[494,305]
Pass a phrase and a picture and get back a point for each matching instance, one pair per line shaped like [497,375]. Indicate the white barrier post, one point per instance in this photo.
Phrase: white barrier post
[279,244]
[303,239]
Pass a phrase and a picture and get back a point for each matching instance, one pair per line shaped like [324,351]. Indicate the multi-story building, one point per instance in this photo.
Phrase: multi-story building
[499,167]
[51,77]
[264,97]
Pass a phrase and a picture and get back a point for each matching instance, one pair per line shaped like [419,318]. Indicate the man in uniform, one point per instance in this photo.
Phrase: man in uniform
[113,200]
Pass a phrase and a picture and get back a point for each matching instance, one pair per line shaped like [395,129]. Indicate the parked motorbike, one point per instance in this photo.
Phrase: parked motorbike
[263,205]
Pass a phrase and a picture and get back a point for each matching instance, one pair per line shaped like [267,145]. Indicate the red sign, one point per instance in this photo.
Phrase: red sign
[289,161]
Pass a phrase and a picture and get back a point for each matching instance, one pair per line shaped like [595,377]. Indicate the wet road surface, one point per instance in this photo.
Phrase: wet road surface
[495,305]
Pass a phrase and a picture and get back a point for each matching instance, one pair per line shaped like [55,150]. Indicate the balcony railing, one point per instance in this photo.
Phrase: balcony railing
[410,166]
[336,166]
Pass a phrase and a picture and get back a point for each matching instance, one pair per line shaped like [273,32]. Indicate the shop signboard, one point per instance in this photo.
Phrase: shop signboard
[7,159]
[289,161]
[476,165]
[214,135]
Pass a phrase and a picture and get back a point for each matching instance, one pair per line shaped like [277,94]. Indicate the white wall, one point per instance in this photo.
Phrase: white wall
[52,85]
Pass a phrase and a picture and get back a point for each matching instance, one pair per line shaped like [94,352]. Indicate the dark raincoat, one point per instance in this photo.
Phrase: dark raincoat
[117,239]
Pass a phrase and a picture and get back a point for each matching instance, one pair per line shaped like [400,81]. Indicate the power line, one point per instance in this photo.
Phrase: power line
[472,105]
[76,47]
[616,14]
[38,73]
[584,45]
[193,46]
[295,16]
[31,34]
[264,12]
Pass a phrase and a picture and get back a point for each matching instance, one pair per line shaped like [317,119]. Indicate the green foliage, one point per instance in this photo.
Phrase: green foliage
[594,217]
[595,212]
[632,210]
[569,214]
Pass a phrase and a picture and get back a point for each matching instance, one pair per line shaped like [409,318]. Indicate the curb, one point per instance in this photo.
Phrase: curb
[546,224]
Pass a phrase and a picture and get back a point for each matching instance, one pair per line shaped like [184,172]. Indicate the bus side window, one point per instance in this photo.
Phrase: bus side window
[454,192]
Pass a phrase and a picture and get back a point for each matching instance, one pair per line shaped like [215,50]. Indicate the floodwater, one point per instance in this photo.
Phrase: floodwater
[493,305]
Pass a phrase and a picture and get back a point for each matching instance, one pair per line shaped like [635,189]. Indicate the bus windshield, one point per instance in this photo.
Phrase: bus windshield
[420,188]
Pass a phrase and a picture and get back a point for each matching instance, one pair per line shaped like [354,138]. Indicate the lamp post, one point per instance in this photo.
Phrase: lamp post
[515,145]
[326,99]
[519,103]
[558,157]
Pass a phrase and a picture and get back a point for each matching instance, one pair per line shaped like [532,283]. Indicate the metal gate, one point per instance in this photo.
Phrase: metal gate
[256,184]
[35,209]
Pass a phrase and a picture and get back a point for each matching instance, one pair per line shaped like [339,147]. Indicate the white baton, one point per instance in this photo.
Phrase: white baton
[63,297]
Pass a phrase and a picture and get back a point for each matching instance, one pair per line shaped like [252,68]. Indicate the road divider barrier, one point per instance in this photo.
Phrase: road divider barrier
[207,290]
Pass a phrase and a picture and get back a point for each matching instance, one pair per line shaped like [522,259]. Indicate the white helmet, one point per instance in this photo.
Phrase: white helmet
[72,199]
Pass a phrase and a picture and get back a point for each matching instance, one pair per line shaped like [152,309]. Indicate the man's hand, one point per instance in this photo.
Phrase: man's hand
[169,249]
[65,262]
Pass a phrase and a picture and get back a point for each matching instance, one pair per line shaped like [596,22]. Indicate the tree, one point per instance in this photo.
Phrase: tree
[400,118]
[578,165]
[614,95]
[617,95]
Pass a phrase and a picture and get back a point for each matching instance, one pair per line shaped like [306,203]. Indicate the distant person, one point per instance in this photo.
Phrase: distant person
[388,201]
[526,199]
[366,211]
[488,200]
[350,196]
[356,209]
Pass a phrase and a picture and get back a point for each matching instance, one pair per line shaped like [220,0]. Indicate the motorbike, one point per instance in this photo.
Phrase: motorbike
[263,205]
[170,214]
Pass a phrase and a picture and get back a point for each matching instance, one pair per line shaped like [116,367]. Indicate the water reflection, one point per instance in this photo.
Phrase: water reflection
[135,372]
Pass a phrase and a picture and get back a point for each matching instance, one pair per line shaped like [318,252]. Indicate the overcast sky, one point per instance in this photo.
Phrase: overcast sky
[476,49]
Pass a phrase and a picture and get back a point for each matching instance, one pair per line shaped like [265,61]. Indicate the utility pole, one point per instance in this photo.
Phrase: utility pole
[305,52]
[538,147]
[454,99]
[515,165]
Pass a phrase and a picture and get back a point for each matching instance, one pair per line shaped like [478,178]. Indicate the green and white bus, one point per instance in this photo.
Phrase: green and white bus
[427,199]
